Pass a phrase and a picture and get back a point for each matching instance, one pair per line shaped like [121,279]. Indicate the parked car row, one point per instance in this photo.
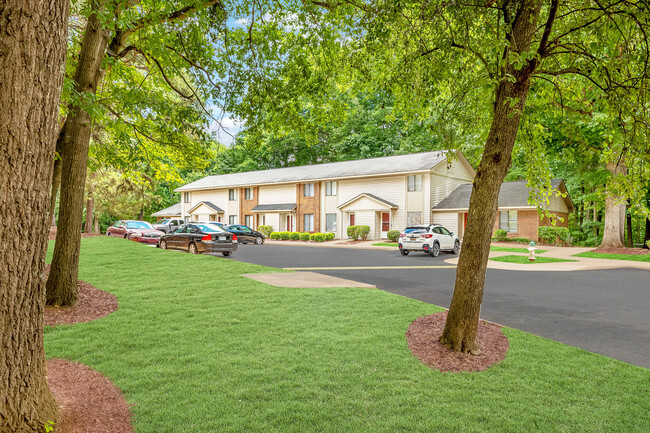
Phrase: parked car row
[194,237]
[430,239]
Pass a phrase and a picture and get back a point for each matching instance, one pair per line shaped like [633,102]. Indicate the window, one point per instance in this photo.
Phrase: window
[232,194]
[330,222]
[330,188]
[508,220]
[188,197]
[248,220]
[309,222]
[414,218]
[232,219]
[248,193]
[415,182]
[308,190]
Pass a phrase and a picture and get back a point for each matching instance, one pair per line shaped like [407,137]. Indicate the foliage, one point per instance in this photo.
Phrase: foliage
[526,260]
[363,231]
[294,236]
[318,237]
[329,236]
[393,235]
[159,332]
[553,235]
[353,232]
[284,235]
[304,236]
[501,235]
[266,230]
[630,257]
[275,235]
[515,250]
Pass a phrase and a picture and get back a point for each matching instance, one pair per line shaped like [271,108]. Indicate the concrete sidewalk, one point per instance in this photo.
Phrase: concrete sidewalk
[580,263]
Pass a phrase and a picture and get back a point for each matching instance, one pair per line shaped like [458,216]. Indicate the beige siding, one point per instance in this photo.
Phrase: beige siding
[274,194]
[557,204]
[445,179]
[426,185]
[447,219]
[271,219]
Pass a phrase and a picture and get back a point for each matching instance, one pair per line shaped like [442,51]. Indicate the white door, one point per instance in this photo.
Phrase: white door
[385,224]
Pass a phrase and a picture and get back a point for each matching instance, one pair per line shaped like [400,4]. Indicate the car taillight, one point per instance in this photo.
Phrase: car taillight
[234,238]
[427,235]
[402,235]
[206,238]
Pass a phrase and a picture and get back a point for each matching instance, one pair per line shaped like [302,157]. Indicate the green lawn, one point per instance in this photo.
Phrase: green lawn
[515,250]
[524,259]
[634,258]
[386,244]
[197,348]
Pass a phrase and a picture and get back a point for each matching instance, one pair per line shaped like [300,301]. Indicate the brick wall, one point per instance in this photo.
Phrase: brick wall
[246,206]
[307,205]
[528,221]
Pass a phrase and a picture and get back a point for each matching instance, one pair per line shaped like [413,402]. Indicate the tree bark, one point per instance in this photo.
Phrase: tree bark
[62,281]
[56,177]
[33,44]
[461,329]
[628,219]
[646,238]
[96,226]
[90,211]
[614,208]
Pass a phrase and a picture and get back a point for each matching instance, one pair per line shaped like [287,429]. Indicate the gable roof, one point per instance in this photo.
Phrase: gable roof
[212,206]
[274,207]
[512,194]
[356,168]
[174,210]
[371,196]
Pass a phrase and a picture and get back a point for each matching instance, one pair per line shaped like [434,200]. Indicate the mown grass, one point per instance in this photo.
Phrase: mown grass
[386,244]
[631,257]
[195,347]
[515,250]
[524,259]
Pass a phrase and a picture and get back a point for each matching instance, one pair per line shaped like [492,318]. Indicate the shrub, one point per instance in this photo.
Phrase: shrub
[353,232]
[284,235]
[329,236]
[553,235]
[265,230]
[275,235]
[501,235]
[363,232]
[294,236]
[318,237]
[392,235]
[304,236]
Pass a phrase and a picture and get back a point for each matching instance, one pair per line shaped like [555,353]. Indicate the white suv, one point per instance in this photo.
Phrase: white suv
[429,239]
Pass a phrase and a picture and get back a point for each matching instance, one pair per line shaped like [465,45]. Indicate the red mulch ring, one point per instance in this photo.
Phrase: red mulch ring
[92,304]
[52,235]
[88,401]
[423,335]
[627,251]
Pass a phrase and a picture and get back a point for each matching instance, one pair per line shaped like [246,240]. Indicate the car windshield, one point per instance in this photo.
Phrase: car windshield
[142,225]
[208,229]
[162,222]
[415,230]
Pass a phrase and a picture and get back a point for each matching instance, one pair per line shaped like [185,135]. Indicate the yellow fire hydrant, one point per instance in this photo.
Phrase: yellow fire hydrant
[531,251]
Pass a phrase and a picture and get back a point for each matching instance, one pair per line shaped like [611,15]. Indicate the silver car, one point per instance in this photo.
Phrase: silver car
[430,239]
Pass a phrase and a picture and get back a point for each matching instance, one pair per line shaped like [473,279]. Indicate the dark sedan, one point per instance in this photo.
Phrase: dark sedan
[246,234]
[197,238]
[139,231]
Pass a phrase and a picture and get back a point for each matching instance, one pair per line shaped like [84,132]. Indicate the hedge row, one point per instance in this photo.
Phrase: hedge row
[553,235]
[294,236]
[356,232]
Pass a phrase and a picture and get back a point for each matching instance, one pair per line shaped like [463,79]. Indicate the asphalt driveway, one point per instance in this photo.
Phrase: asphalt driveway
[603,311]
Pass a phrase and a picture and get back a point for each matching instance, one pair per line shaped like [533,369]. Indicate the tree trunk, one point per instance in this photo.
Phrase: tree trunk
[62,282]
[614,208]
[33,45]
[630,234]
[56,177]
[461,328]
[646,238]
[90,208]
[96,226]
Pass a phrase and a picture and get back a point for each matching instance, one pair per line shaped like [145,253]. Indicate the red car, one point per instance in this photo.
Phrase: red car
[139,231]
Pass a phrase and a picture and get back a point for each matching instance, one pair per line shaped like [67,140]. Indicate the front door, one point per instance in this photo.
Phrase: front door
[385,224]
[289,223]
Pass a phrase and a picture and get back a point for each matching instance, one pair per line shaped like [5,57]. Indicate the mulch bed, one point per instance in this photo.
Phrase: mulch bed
[627,251]
[92,304]
[88,401]
[423,335]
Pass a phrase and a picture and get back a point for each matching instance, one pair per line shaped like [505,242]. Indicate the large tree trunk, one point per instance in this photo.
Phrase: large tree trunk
[32,57]
[62,282]
[614,212]
[461,328]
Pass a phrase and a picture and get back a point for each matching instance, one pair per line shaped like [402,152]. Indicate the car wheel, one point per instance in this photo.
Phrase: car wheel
[163,245]
[126,236]
[259,240]
[108,234]
[456,249]
[226,253]
[435,250]
[404,252]
[193,249]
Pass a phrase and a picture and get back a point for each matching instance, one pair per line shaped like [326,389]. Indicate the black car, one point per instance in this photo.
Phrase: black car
[198,238]
[246,234]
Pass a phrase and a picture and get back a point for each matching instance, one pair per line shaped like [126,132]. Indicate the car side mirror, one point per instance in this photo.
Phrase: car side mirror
[451,233]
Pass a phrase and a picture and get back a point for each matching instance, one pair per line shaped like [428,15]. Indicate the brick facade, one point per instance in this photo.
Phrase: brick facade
[246,206]
[528,221]
[307,205]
